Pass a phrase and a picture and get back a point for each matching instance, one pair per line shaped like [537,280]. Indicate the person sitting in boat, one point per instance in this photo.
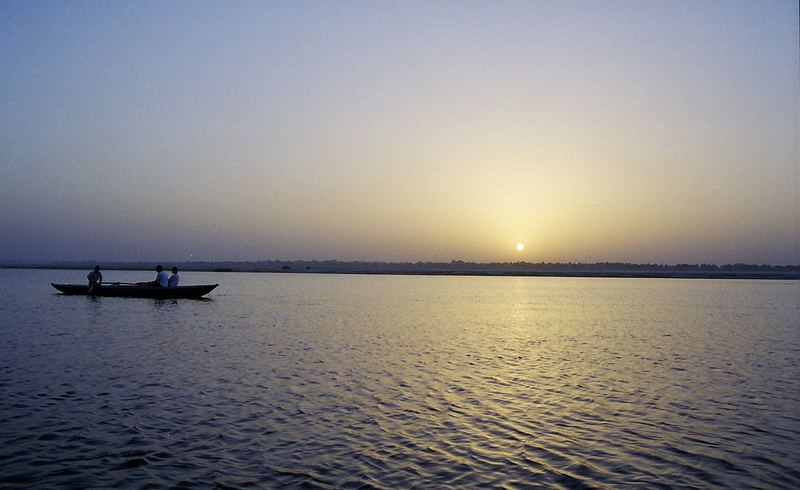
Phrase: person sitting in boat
[95,277]
[162,281]
[174,279]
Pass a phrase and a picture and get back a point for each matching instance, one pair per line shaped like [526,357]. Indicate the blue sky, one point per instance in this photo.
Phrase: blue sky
[589,131]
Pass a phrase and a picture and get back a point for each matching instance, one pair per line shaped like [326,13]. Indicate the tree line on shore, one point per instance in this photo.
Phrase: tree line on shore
[454,267]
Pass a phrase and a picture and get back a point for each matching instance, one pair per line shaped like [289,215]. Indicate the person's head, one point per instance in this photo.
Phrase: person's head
[97,268]
[159,268]
[174,270]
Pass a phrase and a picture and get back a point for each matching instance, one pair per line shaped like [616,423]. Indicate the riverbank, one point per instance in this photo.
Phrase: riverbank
[456,268]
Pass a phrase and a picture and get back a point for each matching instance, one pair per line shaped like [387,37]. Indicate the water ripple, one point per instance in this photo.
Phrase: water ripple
[391,382]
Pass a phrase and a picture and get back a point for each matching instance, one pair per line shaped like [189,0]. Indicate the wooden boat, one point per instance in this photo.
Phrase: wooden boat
[136,290]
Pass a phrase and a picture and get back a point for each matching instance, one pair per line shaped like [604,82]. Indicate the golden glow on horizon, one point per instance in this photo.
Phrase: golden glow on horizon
[467,150]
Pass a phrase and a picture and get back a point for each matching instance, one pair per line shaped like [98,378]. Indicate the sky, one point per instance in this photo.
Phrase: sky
[635,131]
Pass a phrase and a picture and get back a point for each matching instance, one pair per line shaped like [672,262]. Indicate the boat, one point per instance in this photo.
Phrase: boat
[136,290]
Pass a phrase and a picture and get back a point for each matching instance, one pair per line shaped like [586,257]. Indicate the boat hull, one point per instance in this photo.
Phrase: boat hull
[133,291]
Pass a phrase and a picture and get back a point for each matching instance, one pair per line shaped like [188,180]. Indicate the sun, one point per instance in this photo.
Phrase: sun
[520,247]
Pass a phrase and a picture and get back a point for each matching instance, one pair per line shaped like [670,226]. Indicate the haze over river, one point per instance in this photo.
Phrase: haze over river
[401,381]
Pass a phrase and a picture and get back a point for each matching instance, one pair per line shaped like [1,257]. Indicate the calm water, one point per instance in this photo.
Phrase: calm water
[370,381]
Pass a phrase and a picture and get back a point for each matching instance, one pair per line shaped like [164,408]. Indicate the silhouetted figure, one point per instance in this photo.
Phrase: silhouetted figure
[162,280]
[95,278]
[174,279]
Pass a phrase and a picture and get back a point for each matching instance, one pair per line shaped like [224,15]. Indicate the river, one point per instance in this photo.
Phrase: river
[359,381]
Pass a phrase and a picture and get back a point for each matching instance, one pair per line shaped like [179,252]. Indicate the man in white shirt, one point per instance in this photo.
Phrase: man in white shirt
[174,279]
[162,280]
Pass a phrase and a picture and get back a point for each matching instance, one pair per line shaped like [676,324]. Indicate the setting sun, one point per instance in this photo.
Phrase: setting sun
[520,247]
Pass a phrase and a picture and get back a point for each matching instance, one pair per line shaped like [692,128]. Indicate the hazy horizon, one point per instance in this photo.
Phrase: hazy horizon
[453,264]
[620,131]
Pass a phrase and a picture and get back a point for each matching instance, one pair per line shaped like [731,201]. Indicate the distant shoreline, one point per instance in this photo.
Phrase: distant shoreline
[455,268]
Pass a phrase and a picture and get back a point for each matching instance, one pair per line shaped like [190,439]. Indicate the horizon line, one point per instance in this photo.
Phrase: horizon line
[452,262]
